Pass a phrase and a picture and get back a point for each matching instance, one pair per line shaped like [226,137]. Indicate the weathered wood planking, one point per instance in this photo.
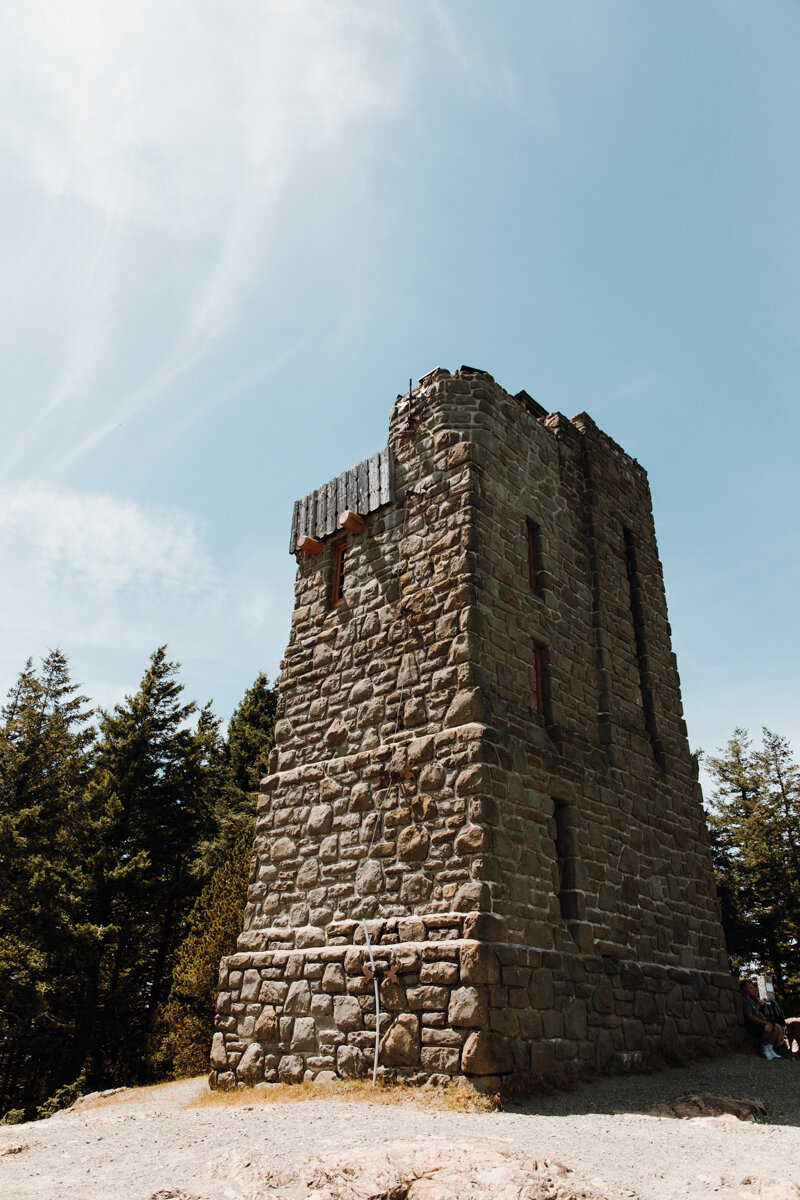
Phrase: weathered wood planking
[295,519]
[352,489]
[385,477]
[363,489]
[373,468]
[333,515]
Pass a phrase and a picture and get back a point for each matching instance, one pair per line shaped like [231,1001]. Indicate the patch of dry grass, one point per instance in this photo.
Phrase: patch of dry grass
[454,1098]
[133,1095]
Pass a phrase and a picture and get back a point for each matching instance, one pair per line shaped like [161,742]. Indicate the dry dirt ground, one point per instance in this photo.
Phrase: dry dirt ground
[599,1141]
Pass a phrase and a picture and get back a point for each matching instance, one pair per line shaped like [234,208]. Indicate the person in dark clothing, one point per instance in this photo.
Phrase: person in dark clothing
[770,1034]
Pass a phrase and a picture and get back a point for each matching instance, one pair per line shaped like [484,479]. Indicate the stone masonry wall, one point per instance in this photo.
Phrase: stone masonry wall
[529,853]
[460,1007]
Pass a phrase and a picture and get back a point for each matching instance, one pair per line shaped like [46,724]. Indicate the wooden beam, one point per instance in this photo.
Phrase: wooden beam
[351,521]
[309,545]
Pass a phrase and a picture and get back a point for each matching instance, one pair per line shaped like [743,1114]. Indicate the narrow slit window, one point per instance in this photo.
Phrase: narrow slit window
[538,668]
[569,870]
[337,577]
[637,607]
[532,531]
[563,848]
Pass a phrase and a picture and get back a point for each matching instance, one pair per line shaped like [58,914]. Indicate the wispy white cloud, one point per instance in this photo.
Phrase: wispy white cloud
[148,111]
[107,580]
[183,124]
[90,569]
[98,544]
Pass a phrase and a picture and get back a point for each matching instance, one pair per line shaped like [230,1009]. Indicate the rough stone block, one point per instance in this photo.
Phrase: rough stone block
[219,1057]
[645,1007]
[251,985]
[468,1008]
[333,979]
[320,820]
[634,1035]
[472,896]
[484,927]
[298,998]
[304,1035]
[351,1063]
[415,889]
[475,839]
[575,1020]
[347,1012]
[698,1021]
[505,1021]
[370,879]
[540,990]
[439,972]
[308,936]
[440,1060]
[479,964]
[291,1068]
[267,1027]
[335,734]
[273,991]
[552,1024]
[487,1053]
[321,1006]
[308,874]
[412,844]
[251,1066]
[400,1047]
[282,849]
[442,1037]
[466,706]
[427,997]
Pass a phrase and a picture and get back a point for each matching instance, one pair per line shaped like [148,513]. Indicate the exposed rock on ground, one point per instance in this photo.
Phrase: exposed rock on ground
[419,1170]
[704,1104]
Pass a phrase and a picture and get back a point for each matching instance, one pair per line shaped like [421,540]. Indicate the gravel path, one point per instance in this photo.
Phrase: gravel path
[148,1145]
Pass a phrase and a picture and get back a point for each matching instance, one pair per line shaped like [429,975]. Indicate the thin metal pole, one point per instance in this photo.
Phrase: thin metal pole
[377,1005]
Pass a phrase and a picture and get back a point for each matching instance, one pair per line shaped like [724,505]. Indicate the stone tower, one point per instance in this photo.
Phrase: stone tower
[481,764]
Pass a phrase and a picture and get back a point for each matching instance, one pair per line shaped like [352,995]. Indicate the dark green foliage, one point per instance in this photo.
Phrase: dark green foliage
[46,935]
[123,871]
[251,736]
[155,782]
[755,831]
[186,1023]
[62,1098]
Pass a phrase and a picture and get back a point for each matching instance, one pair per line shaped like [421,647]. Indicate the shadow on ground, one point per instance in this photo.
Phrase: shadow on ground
[744,1076]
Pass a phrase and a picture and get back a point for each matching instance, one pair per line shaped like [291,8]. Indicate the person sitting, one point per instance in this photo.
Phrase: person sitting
[770,1034]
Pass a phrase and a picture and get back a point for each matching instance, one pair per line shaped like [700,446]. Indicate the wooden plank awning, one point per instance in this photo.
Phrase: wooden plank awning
[362,489]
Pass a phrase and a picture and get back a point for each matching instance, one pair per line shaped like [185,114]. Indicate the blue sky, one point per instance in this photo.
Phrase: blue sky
[232,232]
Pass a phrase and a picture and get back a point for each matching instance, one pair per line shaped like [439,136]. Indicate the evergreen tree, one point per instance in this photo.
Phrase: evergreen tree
[755,828]
[155,783]
[46,745]
[245,758]
[187,1021]
[105,844]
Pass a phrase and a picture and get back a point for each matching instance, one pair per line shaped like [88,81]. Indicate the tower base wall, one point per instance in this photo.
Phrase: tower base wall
[454,1003]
